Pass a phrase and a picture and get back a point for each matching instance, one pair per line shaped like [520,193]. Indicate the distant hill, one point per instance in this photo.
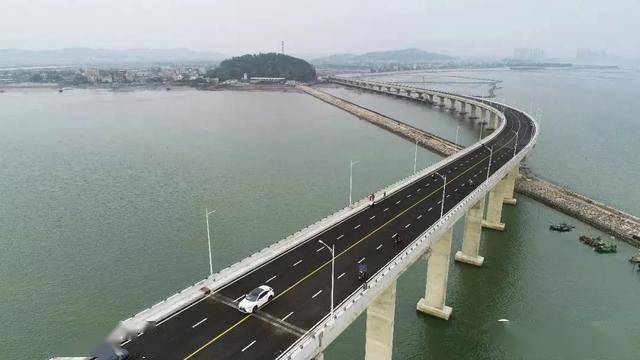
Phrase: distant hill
[76,56]
[265,65]
[392,56]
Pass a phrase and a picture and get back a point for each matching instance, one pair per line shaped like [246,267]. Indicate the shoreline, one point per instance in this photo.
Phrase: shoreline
[16,87]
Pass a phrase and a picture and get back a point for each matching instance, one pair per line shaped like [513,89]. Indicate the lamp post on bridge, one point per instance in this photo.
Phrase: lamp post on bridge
[332,249]
[444,190]
[415,158]
[351,180]
[207,212]
[481,128]
[457,129]
[490,157]
[515,147]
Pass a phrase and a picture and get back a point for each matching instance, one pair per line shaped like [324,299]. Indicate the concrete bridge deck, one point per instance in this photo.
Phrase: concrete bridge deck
[212,328]
[201,322]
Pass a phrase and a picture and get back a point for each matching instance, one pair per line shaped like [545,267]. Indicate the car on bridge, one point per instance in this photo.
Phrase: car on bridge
[255,299]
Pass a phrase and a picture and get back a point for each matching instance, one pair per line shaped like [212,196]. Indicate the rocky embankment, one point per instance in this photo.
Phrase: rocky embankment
[601,216]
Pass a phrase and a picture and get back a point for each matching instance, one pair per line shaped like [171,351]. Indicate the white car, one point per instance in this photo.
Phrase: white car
[255,299]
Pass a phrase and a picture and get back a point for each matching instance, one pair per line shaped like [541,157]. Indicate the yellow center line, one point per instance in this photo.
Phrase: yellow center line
[337,256]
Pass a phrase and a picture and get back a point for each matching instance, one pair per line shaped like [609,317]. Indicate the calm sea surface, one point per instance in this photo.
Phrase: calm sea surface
[102,199]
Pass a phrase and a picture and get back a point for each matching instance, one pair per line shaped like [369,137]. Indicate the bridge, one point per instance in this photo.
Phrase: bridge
[202,321]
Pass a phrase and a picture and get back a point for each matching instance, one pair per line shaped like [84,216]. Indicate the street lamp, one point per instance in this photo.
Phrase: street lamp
[481,126]
[457,129]
[490,156]
[515,147]
[332,249]
[415,158]
[351,179]
[444,190]
[207,212]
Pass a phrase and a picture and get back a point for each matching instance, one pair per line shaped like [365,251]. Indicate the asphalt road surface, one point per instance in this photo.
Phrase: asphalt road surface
[213,328]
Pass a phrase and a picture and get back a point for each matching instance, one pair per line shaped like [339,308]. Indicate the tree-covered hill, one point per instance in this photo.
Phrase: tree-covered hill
[264,65]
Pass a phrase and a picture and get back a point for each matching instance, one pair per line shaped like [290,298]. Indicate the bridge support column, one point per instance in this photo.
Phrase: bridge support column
[380,319]
[463,108]
[441,104]
[431,99]
[453,105]
[435,295]
[511,179]
[491,125]
[471,237]
[473,112]
[494,208]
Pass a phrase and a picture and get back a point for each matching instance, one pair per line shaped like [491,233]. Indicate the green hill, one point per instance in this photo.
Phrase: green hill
[265,65]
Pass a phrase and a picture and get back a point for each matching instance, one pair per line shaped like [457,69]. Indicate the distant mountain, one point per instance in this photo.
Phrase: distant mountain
[79,56]
[393,56]
[265,65]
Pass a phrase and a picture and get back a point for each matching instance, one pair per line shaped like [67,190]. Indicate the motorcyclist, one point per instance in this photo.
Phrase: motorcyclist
[362,271]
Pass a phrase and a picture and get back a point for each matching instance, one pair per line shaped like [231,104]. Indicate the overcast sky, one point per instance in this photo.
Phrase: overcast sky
[456,27]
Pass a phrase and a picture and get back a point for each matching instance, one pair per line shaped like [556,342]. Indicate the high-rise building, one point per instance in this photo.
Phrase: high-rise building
[528,54]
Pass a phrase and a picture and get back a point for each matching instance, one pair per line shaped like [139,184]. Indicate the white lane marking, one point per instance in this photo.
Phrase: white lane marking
[397,202]
[316,294]
[456,189]
[356,227]
[409,195]
[289,314]
[248,346]
[419,189]
[340,237]
[320,248]
[448,195]
[297,262]
[379,246]
[394,235]
[125,343]
[198,323]
[427,184]
[385,209]
[419,216]
[361,260]
[373,217]
[271,278]
[406,226]
[238,299]
[439,201]
[341,275]
[430,209]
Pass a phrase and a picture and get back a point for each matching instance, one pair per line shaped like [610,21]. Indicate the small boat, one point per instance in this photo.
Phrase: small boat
[562,227]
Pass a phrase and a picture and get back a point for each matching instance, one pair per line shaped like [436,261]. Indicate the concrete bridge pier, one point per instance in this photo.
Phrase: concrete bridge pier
[472,234]
[473,112]
[493,122]
[431,99]
[453,105]
[380,319]
[494,207]
[463,108]
[511,179]
[433,302]
[441,104]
